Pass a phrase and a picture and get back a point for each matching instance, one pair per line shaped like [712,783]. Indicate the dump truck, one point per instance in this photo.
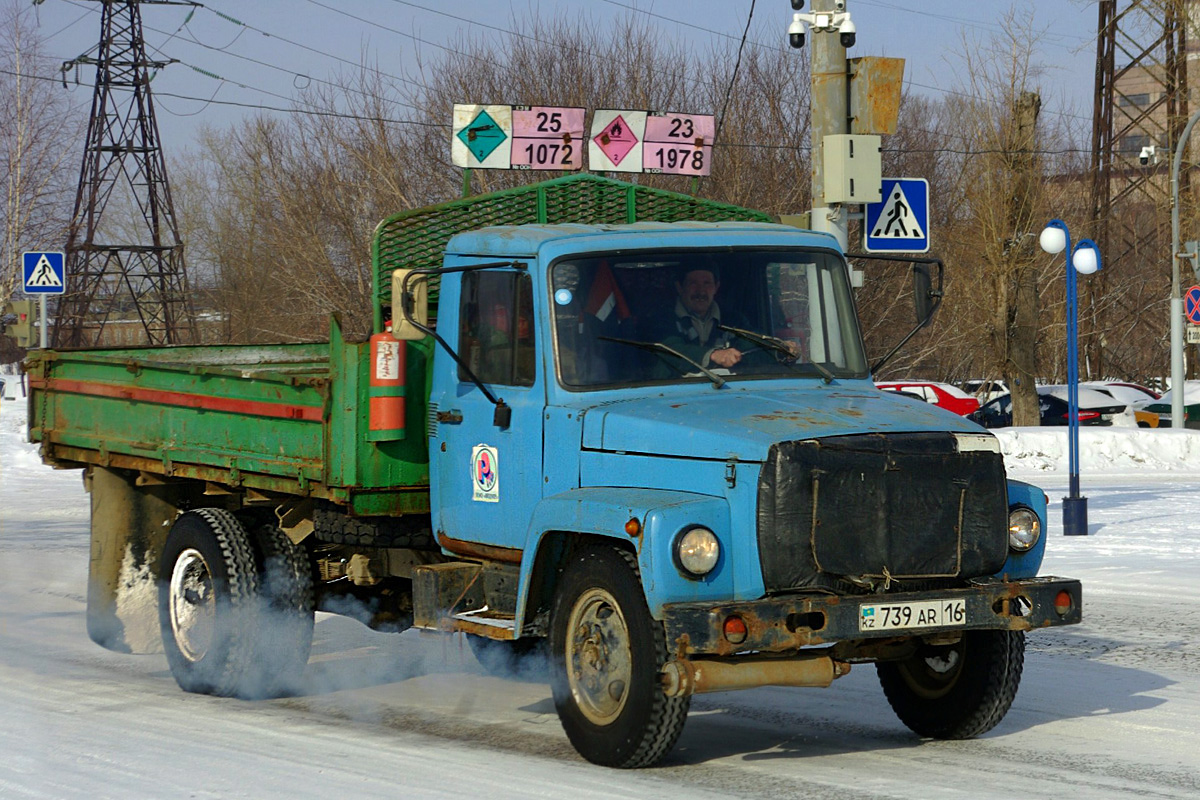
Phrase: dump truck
[630,429]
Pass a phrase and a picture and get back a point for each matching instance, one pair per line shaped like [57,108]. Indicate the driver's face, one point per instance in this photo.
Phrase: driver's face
[697,291]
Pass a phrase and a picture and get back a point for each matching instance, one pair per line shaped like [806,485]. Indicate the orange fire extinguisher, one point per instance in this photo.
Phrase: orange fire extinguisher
[386,387]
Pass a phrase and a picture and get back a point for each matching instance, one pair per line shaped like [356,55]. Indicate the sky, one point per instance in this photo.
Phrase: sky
[260,53]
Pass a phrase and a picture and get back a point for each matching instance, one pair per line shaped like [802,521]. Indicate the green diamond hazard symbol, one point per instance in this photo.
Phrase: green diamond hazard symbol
[482,136]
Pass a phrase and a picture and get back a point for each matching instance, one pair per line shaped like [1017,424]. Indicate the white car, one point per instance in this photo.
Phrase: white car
[985,390]
[1092,398]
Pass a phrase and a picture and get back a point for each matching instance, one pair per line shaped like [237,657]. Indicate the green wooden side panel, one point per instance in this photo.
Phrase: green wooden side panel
[289,418]
[249,409]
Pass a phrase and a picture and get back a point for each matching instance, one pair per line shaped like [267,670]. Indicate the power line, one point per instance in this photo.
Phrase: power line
[244,27]
[733,77]
[307,111]
[687,24]
[307,48]
[679,75]
[867,2]
[969,23]
[420,123]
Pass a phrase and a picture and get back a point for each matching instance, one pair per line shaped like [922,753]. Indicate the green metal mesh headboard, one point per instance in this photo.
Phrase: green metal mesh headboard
[417,239]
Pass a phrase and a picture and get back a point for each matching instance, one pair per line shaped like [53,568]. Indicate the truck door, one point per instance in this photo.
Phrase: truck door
[487,480]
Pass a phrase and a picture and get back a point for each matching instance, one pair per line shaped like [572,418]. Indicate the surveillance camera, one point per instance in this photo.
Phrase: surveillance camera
[1147,156]
[847,31]
[797,5]
[796,32]
[839,5]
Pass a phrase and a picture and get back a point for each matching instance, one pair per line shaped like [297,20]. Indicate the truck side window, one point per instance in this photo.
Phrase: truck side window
[495,336]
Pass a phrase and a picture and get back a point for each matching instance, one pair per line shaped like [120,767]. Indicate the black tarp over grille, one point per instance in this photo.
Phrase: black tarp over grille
[879,507]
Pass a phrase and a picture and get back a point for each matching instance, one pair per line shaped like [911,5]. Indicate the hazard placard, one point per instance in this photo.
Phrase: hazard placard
[482,137]
[678,144]
[899,223]
[45,273]
[616,141]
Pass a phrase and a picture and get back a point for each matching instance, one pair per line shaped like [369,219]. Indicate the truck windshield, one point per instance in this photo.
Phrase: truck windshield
[698,315]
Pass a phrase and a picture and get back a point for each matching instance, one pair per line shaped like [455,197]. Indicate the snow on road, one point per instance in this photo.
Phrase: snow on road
[1107,709]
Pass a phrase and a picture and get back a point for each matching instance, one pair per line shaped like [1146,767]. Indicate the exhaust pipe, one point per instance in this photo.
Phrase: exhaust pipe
[682,678]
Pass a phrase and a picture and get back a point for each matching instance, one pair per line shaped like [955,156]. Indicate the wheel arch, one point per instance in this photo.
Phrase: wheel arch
[598,515]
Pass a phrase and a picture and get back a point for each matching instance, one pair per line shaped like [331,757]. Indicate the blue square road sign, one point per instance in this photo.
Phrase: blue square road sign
[45,273]
[899,222]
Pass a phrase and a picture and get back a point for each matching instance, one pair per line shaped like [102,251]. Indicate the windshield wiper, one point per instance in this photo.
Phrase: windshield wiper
[778,345]
[659,347]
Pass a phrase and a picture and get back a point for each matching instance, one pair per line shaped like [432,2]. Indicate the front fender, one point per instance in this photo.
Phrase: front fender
[1027,564]
[662,514]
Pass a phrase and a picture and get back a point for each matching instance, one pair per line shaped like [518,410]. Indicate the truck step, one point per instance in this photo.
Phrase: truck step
[485,616]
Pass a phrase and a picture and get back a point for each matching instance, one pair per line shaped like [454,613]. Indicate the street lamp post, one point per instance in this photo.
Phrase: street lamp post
[1084,259]
[1177,371]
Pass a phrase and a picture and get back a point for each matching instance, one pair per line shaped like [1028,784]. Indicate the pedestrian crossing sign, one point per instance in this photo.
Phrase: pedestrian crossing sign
[899,222]
[45,273]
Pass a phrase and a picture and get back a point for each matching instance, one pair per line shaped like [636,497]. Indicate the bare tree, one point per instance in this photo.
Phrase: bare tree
[299,198]
[38,127]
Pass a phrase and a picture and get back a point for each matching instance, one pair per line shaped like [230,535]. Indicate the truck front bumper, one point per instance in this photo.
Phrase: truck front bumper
[786,623]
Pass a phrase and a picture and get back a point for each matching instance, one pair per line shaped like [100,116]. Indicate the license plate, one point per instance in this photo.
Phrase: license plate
[907,616]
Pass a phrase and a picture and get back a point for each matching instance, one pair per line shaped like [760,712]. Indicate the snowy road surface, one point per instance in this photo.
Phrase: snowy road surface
[1107,709]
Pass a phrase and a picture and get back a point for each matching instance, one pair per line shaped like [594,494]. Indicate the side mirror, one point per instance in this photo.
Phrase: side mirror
[927,295]
[923,295]
[410,305]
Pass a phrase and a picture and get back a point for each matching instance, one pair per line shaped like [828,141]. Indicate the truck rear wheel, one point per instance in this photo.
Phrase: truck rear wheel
[235,610]
[956,691]
[285,630]
[208,590]
[607,653]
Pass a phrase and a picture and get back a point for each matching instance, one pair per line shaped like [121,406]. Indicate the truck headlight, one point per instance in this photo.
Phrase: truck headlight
[1024,529]
[697,551]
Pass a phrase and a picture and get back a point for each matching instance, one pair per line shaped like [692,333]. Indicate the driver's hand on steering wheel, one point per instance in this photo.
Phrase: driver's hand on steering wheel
[726,357]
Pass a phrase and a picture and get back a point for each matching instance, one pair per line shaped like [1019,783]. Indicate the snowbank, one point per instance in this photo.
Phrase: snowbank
[1106,450]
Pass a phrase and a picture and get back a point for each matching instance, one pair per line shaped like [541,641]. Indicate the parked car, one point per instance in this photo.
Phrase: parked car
[1191,406]
[1095,408]
[985,390]
[942,395]
[1132,394]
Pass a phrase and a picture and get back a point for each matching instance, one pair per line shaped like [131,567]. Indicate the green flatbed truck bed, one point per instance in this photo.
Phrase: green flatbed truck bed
[284,419]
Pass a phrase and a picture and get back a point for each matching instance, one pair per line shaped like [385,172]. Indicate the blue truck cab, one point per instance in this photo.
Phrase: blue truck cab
[656,448]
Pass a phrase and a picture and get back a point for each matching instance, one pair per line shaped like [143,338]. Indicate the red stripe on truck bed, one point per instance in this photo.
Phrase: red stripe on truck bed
[205,402]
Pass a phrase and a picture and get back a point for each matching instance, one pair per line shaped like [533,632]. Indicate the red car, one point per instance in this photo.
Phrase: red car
[943,395]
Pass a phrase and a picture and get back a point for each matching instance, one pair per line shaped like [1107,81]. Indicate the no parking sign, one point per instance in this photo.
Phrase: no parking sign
[1191,305]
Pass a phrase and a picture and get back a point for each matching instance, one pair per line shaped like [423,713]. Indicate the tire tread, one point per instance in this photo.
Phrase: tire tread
[965,712]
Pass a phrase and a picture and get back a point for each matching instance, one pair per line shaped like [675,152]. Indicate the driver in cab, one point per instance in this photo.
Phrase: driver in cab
[695,331]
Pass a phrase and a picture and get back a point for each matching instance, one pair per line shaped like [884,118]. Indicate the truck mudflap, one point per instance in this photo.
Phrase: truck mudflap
[781,624]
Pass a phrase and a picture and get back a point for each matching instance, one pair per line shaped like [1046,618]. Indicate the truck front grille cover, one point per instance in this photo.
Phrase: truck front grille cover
[879,512]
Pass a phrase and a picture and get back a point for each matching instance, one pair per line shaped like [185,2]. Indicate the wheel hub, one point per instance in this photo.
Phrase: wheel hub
[933,673]
[192,605]
[598,656]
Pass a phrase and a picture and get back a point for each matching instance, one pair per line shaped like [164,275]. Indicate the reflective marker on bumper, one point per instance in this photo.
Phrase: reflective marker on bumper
[735,630]
[1062,603]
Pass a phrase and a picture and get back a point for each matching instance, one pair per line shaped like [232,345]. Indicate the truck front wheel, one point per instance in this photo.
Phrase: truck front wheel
[956,691]
[607,653]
